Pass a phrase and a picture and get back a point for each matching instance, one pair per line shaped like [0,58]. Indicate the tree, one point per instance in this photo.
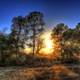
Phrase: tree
[67,35]
[67,54]
[60,29]
[18,33]
[71,43]
[77,32]
[36,24]
[57,35]
[39,44]
[78,26]
[3,46]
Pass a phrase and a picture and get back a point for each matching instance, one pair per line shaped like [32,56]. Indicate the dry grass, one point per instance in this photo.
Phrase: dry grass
[56,72]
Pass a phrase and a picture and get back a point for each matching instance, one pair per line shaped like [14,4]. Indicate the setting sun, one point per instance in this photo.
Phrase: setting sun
[50,48]
[48,43]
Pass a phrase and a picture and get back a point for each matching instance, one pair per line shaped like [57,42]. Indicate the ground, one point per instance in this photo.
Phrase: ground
[55,72]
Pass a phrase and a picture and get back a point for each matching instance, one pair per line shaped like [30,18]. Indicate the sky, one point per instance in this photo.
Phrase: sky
[55,11]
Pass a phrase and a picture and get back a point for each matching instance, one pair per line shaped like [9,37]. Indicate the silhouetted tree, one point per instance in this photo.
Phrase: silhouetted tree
[18,32]
[4,47]
[78,26]
[60,29]
[57,35]
[67,35]
[36,24]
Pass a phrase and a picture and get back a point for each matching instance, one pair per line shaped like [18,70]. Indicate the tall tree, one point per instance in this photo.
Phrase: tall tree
[57,34]
[36,24]
[3,47]
[18,32]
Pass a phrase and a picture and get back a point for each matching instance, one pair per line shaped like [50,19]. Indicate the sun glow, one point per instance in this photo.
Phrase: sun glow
[48,43]
[50,47]
[27,50]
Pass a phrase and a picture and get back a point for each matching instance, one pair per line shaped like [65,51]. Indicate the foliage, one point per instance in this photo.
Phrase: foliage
[36,26]
[69,40]
[27,31]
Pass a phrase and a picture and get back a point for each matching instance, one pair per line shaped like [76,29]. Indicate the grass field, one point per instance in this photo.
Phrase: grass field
[55,72]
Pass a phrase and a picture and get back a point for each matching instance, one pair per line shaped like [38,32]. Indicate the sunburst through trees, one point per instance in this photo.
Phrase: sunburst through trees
[30,36]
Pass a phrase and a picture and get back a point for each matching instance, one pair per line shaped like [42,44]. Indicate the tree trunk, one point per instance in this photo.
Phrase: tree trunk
[2,57]
[34,40]
[17,42]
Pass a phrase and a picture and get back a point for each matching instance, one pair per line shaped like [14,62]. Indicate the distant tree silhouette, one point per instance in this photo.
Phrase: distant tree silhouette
[68,34]
[78,26]
[60,28]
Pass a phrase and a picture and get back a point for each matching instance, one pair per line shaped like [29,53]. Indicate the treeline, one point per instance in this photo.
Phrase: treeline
[26,31]
[69,40]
